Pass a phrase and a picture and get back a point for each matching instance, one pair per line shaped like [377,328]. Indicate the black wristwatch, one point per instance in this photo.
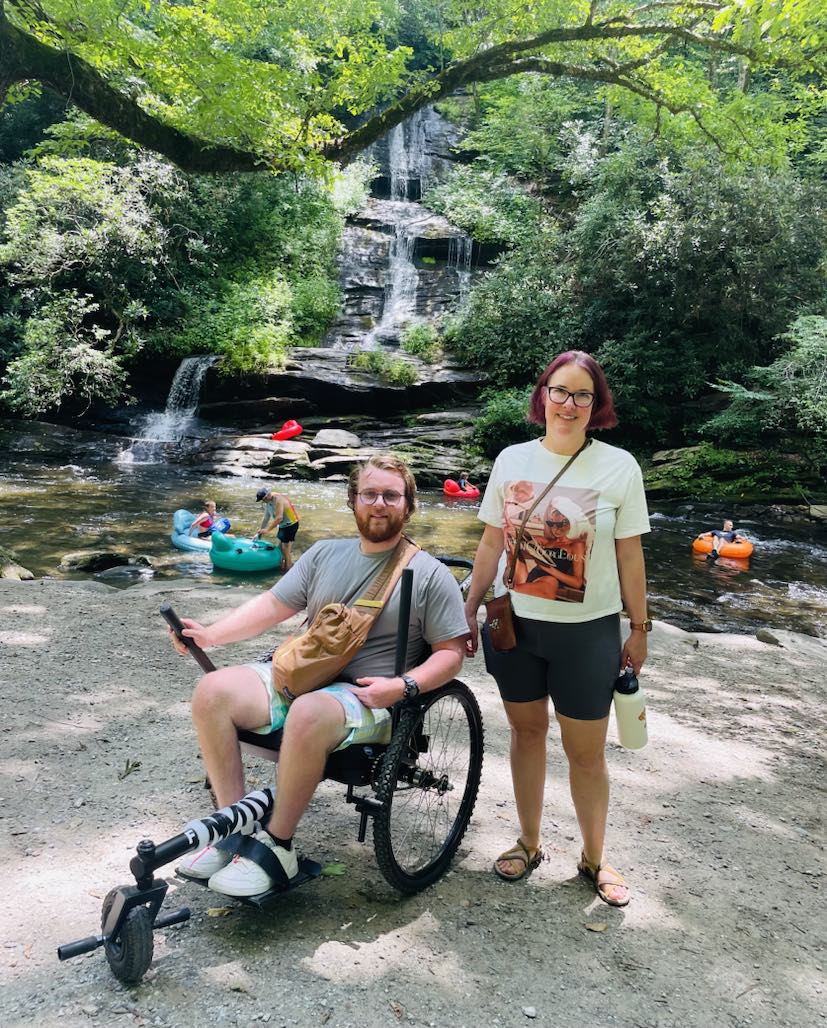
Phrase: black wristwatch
[411,690]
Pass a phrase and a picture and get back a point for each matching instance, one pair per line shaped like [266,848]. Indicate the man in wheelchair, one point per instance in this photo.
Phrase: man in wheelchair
[353,709]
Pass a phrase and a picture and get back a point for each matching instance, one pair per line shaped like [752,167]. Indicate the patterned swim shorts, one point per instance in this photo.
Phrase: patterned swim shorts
[365,724]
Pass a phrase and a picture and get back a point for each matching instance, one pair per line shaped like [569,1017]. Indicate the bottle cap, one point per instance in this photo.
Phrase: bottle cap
[627,683]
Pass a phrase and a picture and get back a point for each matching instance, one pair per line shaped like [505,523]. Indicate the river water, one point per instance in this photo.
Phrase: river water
[48,509]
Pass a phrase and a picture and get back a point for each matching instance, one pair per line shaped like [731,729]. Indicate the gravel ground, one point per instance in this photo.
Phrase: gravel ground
[716,824]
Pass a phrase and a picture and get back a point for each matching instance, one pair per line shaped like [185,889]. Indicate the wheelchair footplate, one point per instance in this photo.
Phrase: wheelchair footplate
[131,913]
[309,870]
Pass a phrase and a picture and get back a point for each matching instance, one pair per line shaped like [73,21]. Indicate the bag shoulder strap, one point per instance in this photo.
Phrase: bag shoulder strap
[509,578]
[385,582]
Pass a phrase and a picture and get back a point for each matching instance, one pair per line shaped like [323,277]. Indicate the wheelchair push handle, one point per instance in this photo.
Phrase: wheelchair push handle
[403,626]
[174,622]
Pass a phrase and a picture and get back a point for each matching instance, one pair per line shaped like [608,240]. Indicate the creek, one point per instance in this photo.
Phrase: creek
[48,508]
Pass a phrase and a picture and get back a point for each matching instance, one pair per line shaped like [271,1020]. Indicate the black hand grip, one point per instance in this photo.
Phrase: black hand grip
[75,949]
[174,622]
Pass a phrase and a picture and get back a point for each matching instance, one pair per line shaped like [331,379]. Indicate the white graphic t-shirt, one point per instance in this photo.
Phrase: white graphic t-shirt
[566,569]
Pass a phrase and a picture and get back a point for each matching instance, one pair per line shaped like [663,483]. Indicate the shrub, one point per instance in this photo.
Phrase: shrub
[503,422]
[393,370]
[422,341]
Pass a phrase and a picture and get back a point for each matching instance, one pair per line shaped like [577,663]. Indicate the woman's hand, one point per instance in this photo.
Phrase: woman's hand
[634,651]
[473,640]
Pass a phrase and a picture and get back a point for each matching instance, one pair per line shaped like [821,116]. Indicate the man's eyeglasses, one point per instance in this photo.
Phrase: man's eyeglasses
[390,497]
[581,397]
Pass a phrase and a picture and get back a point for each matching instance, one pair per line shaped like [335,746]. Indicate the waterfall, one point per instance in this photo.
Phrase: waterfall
[176,419]
[460,250]
[400,290]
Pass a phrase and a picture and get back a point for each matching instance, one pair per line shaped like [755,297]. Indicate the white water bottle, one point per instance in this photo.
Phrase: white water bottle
[630,711]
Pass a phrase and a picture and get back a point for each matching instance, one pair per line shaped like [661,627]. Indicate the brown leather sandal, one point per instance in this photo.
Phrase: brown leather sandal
[604,876]
[520,853]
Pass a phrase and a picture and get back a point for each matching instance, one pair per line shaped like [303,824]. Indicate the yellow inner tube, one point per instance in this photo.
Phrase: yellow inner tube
[739,548]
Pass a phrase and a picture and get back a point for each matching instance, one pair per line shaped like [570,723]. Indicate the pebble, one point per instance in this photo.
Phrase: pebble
[530,1011]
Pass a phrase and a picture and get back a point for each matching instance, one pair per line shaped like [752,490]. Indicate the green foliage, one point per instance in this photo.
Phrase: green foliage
[673,272]
[62,357]
[706,472]
[488,206]
[240,266]
[541,108]
[503,421]
[788,396]
[393,370]
[422,340]
[516,319]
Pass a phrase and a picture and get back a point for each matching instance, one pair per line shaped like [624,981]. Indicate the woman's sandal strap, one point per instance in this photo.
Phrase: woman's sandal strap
[591,871]
[519,852]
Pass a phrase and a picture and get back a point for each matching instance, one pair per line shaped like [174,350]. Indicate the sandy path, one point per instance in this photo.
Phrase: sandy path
[717,824]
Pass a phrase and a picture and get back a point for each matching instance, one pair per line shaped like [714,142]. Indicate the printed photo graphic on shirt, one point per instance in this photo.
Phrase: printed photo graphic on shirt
[553,562]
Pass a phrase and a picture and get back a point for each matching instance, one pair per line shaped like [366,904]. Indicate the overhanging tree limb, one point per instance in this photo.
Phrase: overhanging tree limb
[25,58]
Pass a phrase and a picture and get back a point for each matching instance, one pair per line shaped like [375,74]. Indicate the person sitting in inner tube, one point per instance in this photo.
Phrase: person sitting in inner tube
[205,524]
[463,482]
[726,535]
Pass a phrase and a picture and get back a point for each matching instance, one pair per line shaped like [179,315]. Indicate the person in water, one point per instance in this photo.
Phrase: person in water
[725,535]
[206,523]
[463,481]
[281,519]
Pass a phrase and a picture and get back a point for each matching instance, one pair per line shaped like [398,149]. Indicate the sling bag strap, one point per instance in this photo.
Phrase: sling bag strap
[509,578]
[383,585]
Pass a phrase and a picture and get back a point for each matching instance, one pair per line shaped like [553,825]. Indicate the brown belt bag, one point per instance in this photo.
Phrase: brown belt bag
[313,659]
[499,613]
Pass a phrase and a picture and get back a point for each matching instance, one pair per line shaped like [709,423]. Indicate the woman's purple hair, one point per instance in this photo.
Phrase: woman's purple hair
[603,411]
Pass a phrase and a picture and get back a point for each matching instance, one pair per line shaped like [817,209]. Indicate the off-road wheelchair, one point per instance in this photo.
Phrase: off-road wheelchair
[419,789]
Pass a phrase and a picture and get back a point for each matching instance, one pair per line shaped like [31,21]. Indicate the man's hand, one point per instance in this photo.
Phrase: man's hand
[199,634]
[379,692]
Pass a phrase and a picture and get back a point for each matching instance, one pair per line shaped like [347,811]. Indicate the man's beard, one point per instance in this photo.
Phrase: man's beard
[381,530]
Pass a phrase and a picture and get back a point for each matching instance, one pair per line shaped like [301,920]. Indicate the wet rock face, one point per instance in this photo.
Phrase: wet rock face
[322,381]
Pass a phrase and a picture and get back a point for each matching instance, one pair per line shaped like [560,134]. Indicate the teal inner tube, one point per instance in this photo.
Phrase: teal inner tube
[237,554]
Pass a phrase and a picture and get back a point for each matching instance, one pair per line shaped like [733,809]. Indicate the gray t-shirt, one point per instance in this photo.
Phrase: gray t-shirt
[336,571]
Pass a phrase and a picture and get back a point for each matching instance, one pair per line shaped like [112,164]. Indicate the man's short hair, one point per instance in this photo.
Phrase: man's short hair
[384,462]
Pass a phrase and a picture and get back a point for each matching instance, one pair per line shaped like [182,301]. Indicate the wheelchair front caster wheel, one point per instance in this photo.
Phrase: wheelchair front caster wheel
[130,954]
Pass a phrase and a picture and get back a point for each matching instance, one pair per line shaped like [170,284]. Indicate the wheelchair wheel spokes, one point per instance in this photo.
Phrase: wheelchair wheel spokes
[428,783]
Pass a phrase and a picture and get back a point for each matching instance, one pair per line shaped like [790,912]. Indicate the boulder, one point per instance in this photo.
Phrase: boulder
[15,571]
[96,561]
[336,437]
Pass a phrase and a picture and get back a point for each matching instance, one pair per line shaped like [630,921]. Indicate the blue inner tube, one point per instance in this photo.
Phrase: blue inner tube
[180,537]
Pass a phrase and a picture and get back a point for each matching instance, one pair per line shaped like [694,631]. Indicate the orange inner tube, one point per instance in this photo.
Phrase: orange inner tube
[739,548]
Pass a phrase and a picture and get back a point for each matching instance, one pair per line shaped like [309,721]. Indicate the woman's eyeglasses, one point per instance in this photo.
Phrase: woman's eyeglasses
[557,524]
[390,497]
[581,397]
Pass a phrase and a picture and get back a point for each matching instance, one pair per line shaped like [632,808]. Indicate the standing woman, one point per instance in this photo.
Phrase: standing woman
[569,644]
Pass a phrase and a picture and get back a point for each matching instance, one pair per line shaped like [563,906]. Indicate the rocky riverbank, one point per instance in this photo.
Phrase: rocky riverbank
[714,824]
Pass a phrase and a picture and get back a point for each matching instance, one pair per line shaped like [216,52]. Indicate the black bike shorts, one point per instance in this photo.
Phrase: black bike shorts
[576,664]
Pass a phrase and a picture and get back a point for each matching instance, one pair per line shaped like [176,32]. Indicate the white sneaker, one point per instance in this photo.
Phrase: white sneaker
[243,877]
[203,864]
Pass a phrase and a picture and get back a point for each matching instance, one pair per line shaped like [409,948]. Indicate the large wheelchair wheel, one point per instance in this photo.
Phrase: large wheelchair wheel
[130,954]
[427,783]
